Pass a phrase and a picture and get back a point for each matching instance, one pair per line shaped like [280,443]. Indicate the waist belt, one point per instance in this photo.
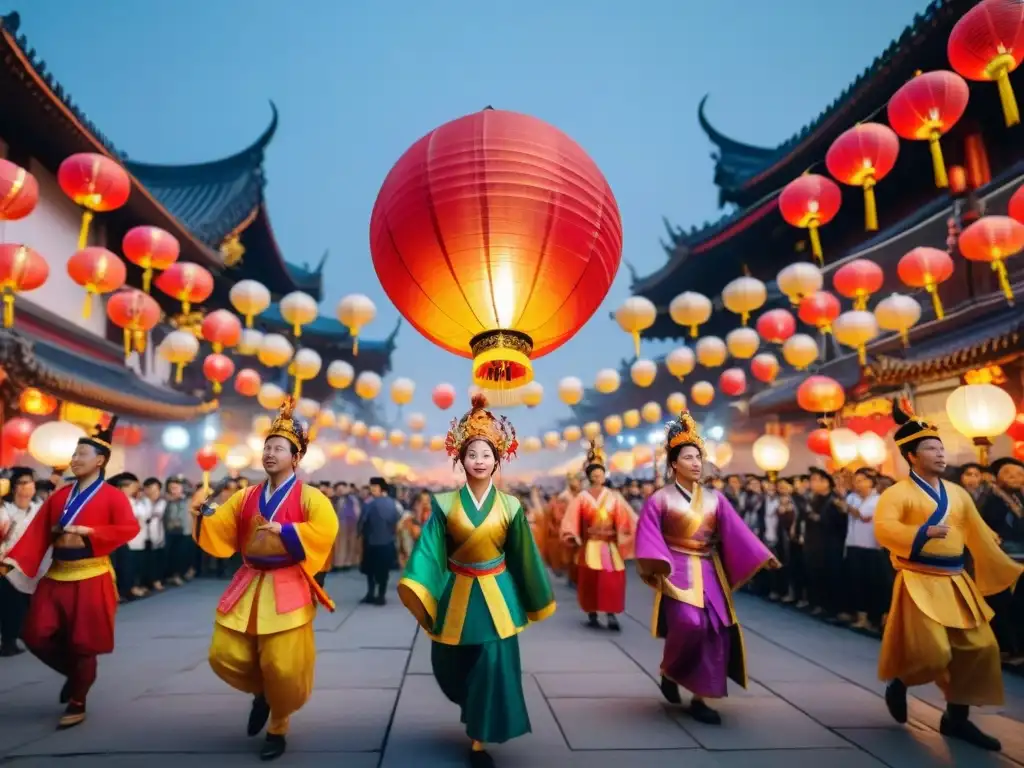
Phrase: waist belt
[272,563]
[606,537]
[936,565]
[476,570]
[78,570]
[683,549]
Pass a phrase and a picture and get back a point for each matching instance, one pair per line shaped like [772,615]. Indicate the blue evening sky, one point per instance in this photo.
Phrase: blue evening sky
[357,82]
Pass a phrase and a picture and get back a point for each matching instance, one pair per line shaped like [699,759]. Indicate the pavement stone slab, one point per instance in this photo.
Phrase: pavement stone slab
[619,724]
[911,746]
[595,685]
[837,705]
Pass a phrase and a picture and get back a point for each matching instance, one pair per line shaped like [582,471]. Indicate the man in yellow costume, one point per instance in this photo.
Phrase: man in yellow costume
[938,629]
[263,640]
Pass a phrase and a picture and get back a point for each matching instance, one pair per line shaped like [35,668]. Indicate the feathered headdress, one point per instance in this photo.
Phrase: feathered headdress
[481,424]
[595,456]
[683,431]
[908,426]
[101,438]
[288,427]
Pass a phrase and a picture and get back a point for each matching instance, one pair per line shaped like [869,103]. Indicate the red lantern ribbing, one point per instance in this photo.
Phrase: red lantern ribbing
[926,267]
[926,108]
[810,202]
[136,313]
[96,183]
[861,157]
[19,191]
[820,309]
[986,44]
[150,248]
[776,325]
[858,280]
[994,239]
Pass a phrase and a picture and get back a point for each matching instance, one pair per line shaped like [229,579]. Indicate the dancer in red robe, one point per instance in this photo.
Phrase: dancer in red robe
[71,617]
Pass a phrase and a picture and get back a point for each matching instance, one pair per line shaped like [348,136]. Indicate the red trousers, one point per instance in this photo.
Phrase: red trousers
[601,591]
[69,623]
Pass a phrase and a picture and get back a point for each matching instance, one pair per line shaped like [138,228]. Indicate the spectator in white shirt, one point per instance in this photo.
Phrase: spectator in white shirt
[864,558]
[17,510]
[135,561]
[153,506]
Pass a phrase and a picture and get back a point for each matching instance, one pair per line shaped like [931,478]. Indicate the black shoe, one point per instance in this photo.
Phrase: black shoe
[380,600]
[702,713]
[273,747]
[480,758]
[613,623]
[896,700]
[65,692]
[965,730]
[11,650]
[368,600]
[592,621]
[258,715]
[670,691]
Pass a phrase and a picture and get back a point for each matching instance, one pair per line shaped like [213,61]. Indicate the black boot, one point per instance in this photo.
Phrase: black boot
[702,713]
[955,725]
[369,599]
[670,691]
[258,715]
[480,758]
[592,621]
[896,700]
[11,650]
[613,623]
[273,747]
[65,692]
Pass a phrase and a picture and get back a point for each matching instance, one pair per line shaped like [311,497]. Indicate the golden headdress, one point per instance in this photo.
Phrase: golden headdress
[595,456]
[101,438]
[908,426]
[290,428]
[481,424]
[683,431]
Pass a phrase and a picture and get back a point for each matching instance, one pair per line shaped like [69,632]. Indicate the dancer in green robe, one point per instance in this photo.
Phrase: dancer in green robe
[474,581]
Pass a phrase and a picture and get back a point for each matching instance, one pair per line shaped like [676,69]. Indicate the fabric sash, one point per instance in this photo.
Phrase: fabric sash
[941,500]
[76,502]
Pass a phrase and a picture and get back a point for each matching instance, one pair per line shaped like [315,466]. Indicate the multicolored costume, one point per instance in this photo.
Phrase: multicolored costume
[474,581]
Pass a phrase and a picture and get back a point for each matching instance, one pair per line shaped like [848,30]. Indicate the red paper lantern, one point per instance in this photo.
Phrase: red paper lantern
[96,183]
[16,433]
[1016,205]
[818,442]
[857,280]
[1016,430]
[19,191]
[136,313]
[443,396]
[150,248]
[776,325]
[248,382]
[820,394]
[497,237]
[97,270]
[927,107]
[733,382]
[819,309]
[188,283]
[988,44]
[218,368]
[994,239]
[21,269]
[129,435]
[206,458]
[222,329]
[862,156]
[926,268]
[810,202]
[765,367]
[1018,450]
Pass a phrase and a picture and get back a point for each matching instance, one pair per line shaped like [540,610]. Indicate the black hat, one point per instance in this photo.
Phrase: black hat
[101,438]
[822,473]
[994,467]
[909,428]
[380,482]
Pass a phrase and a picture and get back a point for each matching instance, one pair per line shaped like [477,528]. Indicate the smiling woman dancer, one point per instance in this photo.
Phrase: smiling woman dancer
[474,581]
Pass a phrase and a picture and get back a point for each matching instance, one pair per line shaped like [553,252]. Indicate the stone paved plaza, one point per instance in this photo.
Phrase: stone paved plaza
[592,696]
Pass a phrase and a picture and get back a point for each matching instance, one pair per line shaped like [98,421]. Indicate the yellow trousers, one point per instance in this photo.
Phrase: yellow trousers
[279,666]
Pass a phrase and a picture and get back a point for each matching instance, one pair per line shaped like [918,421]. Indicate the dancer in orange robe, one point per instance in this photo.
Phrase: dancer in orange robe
[71,617]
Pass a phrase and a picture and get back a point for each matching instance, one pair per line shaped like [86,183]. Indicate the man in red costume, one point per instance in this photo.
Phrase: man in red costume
[71,617]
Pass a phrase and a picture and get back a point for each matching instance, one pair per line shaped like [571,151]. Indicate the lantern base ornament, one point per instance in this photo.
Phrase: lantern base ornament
[983,444]
[501,359]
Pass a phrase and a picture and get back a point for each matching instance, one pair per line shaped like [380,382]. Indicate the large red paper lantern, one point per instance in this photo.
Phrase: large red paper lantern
[443,396]
[206,458]
[150,248]
[765,367]
[776,325]
[994,239]
[136,313]
[188,283]
[19,191]
[818,442]
[16,433]
[858,280]
[96,183]
[810,202]
[1015,208]
[129,435]
[1018,450]
[733,382]
[927,268]
[248,382]
[217,368]
[820,394]
[497,237]
[862,156]
[988,44]
[1016,430]
[21,269]
[222,329]
[926,108]
[97,270]
[819,309]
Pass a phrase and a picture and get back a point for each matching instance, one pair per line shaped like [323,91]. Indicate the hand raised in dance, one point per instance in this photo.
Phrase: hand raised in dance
[78,530]
[937,531]
[272,527]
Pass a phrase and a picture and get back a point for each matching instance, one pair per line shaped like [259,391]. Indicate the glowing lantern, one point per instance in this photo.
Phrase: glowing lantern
[188,283]
[613,424]
[651,413]
[19,191]
[898,313]
[927,107]
[798,281]
[340,374]
[437,443]
[496,193]
[800,351]
[21,269]
[530,444]
[52,443]
[304,367]
[818,442]
[591,430]
[765,367]
[980,412]
[676,403]
[396,438]
[275,351]
[270,397]
[179,348]
[443,396]
[206,458]
[35,402]
[860,157]
[150,248]
[221,329]
[416,422]
[249,342]
[136,313]
[820,310]
[307,408]
[16,433]
[326,418]
[733,382]
[532,394]
[771,454]
[607,381]
[926,268]
[742,343]
[809,202]
[298,309]
[844,446]
[820,394]
[1015,208]
[570,390]
[572,434]
[872,449]
[743,296]
[702,393]
[994,239]
[129,435]
[858,280]
[96,183]
[238,458]
[680,362]
[368,385]
[690,310]
[711,352]
[986,44]
[343,423]
[631,418]
[355,312]
[776,325]
[636,315]
[643,372]
[417,442]
[359,429]
[856,329]
[98,271]
[247,382]
[552,439]
[402,391]
[719,454]
[262,423]
[218,368]
[249,298]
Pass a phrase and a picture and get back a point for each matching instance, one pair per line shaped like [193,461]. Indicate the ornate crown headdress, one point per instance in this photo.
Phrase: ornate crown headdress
[290,428]
[908,426]
[481,424]
[101,438]
[596,455]
[683,431]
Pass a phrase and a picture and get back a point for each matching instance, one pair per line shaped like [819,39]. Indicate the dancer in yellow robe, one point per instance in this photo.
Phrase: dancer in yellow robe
[263,636]
[938,629]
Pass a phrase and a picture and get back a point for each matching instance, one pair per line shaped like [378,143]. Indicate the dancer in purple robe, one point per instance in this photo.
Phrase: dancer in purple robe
[694,550]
